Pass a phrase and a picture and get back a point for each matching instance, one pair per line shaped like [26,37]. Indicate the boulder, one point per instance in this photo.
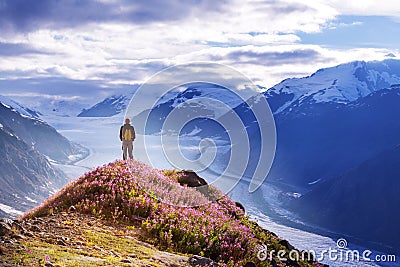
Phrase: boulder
[286,244]
[191,179]
[196,260]
[5,228]
[240,206]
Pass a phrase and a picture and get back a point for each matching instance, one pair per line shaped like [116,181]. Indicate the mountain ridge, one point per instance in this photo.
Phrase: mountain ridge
[343,83]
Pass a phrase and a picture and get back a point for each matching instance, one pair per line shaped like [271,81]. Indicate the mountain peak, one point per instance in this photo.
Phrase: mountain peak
[22,110]
[110,106]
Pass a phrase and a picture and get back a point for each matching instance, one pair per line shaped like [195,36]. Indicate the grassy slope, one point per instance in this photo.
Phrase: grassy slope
[121,208]
[74,239]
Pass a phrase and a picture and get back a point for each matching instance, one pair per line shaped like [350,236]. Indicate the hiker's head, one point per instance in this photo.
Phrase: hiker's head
[127,120]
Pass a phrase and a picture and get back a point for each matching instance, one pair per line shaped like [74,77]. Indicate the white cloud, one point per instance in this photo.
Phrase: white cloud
[365,7]
[46,96]
[259,33]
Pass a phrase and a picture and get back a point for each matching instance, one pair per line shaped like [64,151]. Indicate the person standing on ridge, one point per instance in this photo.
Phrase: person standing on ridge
[127,136]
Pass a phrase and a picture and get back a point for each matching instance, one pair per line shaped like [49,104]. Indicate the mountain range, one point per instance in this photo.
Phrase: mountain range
[338,136]
[340,119]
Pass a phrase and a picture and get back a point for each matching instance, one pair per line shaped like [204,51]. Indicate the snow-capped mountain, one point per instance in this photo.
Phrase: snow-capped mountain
[322,140]
[24,111]
[202,92]
[338,134]
[322,133]
[117,104]
[338,85]
[341,84]
[44,106]
[192,100]
[110,106]
[61,108]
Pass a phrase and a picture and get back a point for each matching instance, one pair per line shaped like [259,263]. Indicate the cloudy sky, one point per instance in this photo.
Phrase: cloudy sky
[68,47]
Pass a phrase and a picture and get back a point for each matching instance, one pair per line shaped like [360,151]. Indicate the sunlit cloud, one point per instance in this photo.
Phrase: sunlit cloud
[120,43]
[365,8]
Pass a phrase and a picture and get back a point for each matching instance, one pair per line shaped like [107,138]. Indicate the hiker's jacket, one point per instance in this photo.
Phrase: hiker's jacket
[127,133]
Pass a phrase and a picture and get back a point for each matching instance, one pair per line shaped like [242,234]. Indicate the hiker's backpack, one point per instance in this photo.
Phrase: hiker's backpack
[127,134]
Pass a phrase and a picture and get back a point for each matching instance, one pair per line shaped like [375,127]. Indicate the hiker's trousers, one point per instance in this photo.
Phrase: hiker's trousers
[127,148]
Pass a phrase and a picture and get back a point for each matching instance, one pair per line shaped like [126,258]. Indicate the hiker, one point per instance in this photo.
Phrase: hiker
[127,136]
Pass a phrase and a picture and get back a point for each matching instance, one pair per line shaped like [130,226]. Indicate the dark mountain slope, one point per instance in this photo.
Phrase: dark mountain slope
[39,135]
[24,172]
[363,202]
[326,139]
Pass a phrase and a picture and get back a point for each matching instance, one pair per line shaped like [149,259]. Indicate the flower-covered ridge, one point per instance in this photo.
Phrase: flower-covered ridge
[128,192]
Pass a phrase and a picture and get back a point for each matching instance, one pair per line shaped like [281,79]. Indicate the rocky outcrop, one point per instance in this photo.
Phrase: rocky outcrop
[191,179]
[196,260]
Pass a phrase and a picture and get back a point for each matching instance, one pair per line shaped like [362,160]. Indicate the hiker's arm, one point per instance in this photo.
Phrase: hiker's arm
[133,134]
[120,133]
